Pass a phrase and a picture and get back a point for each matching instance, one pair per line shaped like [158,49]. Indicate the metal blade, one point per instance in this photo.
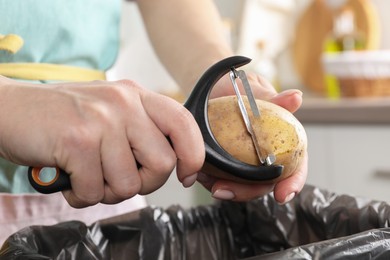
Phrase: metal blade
[264,159]
[248,91]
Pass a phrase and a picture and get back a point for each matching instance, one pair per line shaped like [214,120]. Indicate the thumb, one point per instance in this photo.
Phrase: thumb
[290,99]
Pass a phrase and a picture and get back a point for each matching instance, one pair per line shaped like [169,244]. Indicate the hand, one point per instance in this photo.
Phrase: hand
[284,190]
[97,132]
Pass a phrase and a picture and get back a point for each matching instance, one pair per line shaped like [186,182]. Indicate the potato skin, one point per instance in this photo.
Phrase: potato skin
[277,130]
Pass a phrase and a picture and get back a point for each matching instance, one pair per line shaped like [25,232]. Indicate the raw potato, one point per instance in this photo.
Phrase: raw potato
[277,130]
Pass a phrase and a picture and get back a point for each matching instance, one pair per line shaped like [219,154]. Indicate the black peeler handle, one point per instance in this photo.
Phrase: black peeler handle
[215,155]
[59,182]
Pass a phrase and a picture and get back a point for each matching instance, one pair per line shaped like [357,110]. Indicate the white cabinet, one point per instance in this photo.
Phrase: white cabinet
[350,159]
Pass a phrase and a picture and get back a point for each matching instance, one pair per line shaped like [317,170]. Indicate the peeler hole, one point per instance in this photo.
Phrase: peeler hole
[47,174]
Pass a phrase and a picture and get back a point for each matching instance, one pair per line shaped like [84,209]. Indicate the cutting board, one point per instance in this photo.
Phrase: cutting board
[312,29]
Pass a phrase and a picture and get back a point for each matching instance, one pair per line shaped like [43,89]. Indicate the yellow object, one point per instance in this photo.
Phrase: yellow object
[332,87]
[11,43]
[42,71]
[313,28]
[45,71]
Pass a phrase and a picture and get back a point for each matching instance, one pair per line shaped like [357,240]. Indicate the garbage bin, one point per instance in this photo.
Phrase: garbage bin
[317,224]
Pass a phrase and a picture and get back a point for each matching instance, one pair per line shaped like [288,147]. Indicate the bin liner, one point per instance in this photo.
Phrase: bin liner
[317,224]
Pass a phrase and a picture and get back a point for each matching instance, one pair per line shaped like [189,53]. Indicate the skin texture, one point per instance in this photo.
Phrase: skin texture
[96,131]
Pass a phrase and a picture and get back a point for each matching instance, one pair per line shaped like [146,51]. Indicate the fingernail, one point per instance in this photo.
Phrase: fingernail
[290,92]
[288,198]
[223,195]
[190,180]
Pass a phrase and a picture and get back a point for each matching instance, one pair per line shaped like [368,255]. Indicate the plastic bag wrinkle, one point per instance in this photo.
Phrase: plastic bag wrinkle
[317,224]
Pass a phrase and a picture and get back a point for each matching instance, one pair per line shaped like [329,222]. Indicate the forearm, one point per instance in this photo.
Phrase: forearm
[2,94]
[7,106]
[187,35]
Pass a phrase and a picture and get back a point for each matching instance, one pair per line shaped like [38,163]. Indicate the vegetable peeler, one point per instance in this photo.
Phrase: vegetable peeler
[218,162]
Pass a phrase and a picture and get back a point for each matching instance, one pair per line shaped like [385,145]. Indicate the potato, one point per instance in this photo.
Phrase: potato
[277,130]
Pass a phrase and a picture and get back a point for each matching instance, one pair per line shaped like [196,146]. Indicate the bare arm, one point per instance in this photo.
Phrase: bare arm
[187,36]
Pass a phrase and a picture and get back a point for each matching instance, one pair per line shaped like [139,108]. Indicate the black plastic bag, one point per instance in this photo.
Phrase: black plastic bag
[317,224]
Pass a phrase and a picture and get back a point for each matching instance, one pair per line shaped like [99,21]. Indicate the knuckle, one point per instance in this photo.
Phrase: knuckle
[127,191]
[163,165]
[166,164]
[127,83]
[121,91]
[121,96]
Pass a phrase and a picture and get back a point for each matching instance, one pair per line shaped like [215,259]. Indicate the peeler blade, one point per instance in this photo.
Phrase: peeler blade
[234,74]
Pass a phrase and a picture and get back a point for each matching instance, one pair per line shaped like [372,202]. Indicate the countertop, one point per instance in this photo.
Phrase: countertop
[344,111]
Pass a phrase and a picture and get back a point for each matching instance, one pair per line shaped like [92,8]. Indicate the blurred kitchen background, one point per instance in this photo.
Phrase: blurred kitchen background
[336,51]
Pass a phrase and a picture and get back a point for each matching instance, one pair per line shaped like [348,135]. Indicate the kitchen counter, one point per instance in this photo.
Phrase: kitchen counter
[348,143]
[344,111]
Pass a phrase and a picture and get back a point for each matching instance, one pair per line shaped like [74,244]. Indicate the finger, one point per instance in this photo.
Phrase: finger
[289,99]
[119,168]
[286,189]
[261,88]
[156,155]
[151,147]
[228,190]
[86,175]
[183,131]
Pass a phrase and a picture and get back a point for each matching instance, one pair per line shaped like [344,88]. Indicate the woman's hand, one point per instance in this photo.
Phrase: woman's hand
[97,132]
[284,190]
